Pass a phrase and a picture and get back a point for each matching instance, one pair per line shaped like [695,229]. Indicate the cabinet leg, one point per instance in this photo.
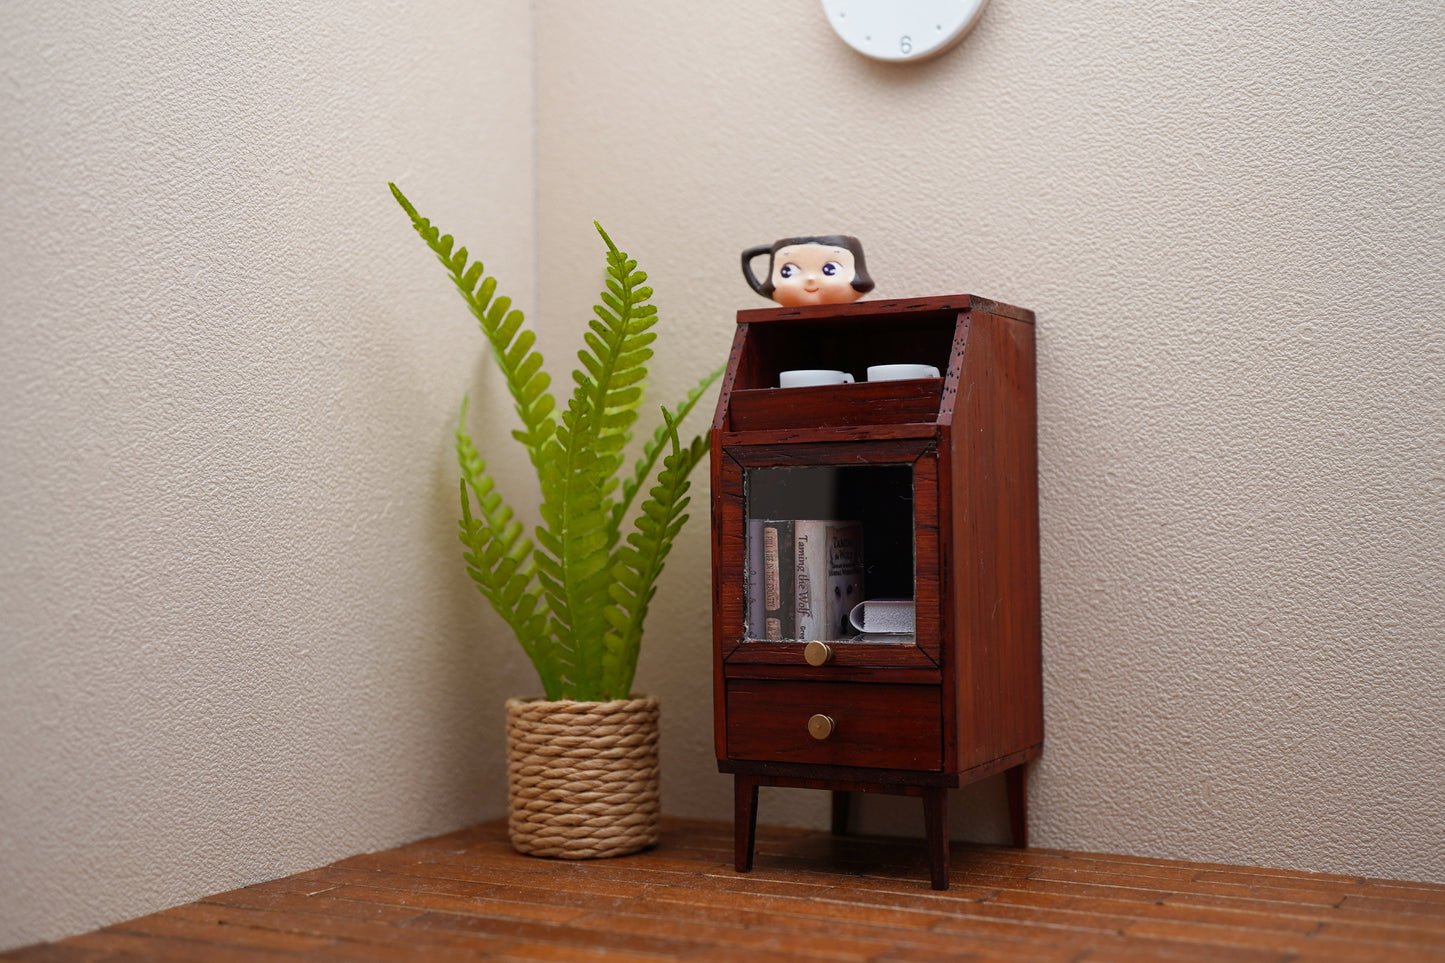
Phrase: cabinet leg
[842,805]
[1017,780]
[935,818]
[745,821]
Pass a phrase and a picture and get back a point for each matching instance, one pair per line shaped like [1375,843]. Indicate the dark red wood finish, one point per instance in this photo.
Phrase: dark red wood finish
[995,587]
[468,896]
[833,406]
[730,546]
[878,725]
[964,700]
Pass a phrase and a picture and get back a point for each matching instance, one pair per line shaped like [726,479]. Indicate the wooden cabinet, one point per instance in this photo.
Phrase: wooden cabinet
[932,484]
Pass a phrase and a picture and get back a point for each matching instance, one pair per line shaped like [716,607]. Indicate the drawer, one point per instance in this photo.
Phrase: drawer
[876,726]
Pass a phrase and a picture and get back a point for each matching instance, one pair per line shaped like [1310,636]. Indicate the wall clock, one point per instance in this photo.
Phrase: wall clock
[902,30]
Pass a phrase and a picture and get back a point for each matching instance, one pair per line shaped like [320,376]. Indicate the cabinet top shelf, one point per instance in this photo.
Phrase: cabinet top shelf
[885,310]
[849,339]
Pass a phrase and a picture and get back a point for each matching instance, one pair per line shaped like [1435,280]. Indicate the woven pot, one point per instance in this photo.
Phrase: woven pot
[582,777]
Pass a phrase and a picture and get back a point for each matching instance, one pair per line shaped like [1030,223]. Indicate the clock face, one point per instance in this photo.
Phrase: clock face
[900,30]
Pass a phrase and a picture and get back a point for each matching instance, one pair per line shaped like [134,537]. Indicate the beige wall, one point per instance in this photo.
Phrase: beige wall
[1228,219]
[236,640]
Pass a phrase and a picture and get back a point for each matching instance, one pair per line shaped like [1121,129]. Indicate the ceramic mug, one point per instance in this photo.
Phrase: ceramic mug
[816,269]
[808,377]
[901,372]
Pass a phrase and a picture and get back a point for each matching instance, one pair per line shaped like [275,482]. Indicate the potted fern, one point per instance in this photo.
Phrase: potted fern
[582,761]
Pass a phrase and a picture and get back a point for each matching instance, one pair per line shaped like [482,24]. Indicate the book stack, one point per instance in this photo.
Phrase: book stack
[805,576]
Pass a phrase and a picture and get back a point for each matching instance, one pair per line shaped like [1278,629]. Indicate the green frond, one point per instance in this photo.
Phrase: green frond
[653,448]
[499,325]
[574,597]
[585,452]
[635,568]
[500,559]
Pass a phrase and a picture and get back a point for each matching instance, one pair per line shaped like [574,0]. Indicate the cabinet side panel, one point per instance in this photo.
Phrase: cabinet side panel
[728,532]
[927,561]
[737,365]
[1023,559]
[996,544]
[955,367]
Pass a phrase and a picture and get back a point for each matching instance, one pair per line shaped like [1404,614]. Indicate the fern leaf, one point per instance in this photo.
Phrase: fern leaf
[574,598]
[652,449]
[499,325]
[582,458]
[500,560]
[636,568]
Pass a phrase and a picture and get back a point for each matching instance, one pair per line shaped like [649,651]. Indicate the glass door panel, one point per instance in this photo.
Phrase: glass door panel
[821,540]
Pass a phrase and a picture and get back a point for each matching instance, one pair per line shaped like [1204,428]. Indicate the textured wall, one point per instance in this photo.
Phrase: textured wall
[236,642]
[1228,218]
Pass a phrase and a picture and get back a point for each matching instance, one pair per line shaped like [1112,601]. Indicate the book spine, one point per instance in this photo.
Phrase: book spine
[828,578]
[756,613]
[777,563]
[845,576]
[810,578]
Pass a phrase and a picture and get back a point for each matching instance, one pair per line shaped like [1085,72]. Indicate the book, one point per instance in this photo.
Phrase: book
[887,638]
[754,579]
[883,616]
[827,577]
[770,579]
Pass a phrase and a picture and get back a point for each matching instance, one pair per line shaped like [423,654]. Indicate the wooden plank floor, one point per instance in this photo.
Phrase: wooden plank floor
[811,897]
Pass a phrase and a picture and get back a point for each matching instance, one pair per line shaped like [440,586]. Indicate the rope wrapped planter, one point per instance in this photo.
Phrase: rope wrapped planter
[582,777]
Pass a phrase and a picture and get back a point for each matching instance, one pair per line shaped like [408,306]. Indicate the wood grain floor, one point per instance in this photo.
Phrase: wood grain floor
[811,897]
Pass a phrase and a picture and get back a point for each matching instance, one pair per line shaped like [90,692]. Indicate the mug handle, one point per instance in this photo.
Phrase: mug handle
[748,256]
[847,378]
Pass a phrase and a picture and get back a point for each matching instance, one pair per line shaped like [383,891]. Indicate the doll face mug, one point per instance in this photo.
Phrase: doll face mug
[819,269]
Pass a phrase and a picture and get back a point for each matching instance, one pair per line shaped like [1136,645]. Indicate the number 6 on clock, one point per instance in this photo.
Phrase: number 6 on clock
[923,28]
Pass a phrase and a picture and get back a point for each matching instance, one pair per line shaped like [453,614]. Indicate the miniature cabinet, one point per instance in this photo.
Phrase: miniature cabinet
[937,478]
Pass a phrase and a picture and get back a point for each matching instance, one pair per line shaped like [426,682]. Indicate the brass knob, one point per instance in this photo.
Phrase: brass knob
[821,727]
[818,653]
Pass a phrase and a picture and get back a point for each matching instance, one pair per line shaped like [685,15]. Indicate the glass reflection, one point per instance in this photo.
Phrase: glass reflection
[820,540]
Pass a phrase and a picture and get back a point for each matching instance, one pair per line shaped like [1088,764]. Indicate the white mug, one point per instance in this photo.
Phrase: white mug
[901,372]
[807,377]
